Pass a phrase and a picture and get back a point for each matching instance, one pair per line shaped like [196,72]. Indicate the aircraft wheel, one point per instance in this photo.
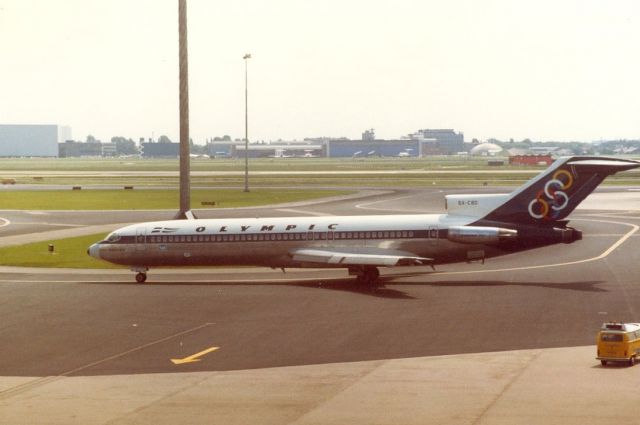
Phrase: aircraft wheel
[603,362]
[141,277]
[631,361]
[369,275]
[373,274]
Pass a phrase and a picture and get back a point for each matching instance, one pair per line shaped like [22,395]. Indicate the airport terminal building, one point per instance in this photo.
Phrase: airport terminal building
[422,143]
[32,140]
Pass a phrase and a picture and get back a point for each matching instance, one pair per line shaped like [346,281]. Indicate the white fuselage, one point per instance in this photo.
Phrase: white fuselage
[270,241]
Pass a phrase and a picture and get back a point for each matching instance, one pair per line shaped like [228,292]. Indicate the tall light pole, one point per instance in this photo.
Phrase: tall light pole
[185,169]
[246,123]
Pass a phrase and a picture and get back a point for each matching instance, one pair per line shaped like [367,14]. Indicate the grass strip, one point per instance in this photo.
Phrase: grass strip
[153,199]
[68,253]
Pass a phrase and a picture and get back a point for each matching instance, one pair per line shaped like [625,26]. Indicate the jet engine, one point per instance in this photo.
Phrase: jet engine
[480,235]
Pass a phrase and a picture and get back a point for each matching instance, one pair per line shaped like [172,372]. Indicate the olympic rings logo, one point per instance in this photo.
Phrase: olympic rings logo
[552,199]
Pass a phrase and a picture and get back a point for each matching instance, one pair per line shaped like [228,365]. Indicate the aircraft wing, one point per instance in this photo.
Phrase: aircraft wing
[353,258]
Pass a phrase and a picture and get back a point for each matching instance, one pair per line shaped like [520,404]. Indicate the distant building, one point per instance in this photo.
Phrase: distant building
[161,150]
[369,135]
[71,148]
[109,149]
[363,148]
[440,141]
[531,160]
[32,140]
[485,149]
[543,150]
[219,149]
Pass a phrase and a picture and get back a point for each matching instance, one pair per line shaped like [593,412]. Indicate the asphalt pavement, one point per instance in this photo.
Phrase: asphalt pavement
[468,343]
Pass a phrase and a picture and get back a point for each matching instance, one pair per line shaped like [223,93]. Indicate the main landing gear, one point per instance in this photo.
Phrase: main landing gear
[365,275]
[141,276]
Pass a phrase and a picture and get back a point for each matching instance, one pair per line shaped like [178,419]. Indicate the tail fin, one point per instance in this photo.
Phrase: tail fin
[557,191]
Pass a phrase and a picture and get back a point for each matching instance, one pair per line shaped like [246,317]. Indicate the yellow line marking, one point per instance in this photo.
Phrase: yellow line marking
[194,357]
[133,350]
[19,389]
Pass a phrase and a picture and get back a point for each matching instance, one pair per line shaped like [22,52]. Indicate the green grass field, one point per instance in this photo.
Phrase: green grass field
[39,165]
[68,253]
[122,172]
[152,199]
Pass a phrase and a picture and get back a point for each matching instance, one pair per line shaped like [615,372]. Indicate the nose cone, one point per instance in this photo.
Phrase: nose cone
[94,251]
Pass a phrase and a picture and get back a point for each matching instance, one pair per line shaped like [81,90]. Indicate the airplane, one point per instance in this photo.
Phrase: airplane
[308,153]
[280,153]
[475,228]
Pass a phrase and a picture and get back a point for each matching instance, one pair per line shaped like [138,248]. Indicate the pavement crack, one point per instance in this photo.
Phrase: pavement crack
[377,365]
[27,386]
[133,350]
[507,387]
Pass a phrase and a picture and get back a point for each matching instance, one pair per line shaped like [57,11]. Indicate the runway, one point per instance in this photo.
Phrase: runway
[87,326]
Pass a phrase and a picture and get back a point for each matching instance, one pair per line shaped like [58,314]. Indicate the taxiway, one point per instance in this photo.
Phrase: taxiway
[314,347]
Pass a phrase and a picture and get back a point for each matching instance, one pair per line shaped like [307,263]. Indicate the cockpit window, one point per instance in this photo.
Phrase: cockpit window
[113,237]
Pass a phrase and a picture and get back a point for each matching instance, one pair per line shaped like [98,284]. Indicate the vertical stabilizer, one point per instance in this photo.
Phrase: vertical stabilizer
[557,191]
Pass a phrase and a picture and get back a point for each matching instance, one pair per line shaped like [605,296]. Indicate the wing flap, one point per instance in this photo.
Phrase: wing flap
[321,256]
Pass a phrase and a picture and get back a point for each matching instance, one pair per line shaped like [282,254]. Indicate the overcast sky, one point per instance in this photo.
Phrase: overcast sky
[545,70]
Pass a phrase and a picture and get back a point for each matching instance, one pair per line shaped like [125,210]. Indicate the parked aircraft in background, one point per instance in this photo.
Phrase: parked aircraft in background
[308,153]
[280,153]
[475,227]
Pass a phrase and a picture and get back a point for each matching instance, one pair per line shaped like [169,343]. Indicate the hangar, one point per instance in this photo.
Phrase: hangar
[32,140]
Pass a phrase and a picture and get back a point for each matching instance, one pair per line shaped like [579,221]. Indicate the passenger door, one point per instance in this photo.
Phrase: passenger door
[432,235]
[141,236]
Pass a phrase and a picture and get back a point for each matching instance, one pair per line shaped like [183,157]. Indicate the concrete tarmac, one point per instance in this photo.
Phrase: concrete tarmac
[510,341]
[540,386]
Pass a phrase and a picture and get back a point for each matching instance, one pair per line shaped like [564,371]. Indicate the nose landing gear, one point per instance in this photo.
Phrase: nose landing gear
[141,276]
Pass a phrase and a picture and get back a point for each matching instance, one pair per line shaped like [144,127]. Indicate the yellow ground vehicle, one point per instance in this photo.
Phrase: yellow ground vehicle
[619,342]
